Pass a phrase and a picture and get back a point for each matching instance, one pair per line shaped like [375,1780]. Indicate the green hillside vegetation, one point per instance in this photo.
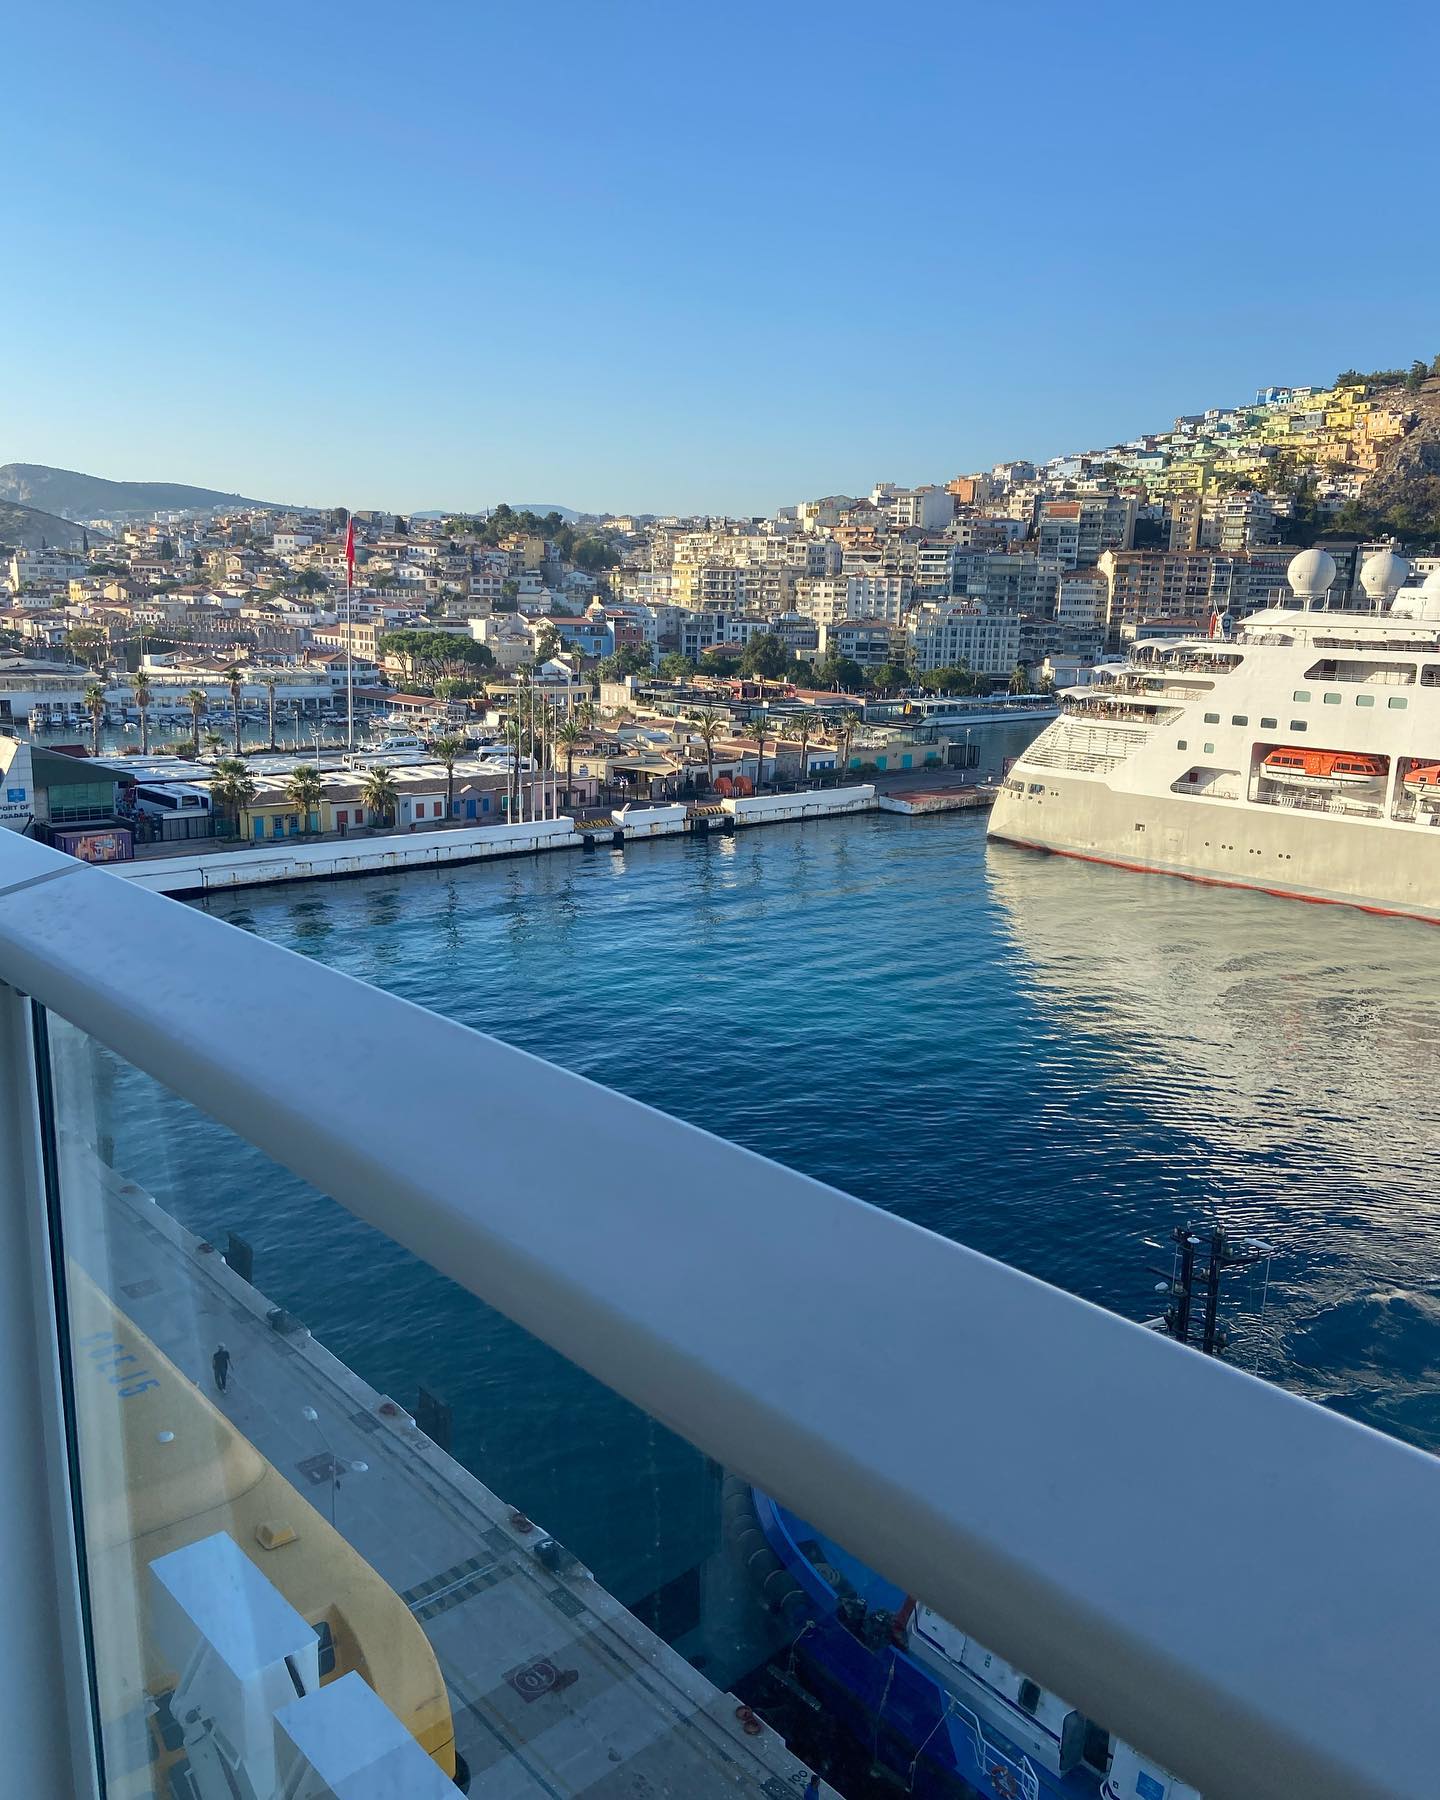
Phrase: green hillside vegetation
[91,496]
[27,528]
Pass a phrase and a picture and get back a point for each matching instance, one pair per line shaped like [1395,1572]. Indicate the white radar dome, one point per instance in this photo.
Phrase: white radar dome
[1310,574]
[1383,574]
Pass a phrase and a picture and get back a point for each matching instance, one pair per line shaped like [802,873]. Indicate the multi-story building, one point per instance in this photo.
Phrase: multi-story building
[943,634]
[885,597]
[868,642]
[1014,581]
[1074,531]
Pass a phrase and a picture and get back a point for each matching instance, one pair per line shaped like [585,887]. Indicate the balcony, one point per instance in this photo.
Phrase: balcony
[1236,1580]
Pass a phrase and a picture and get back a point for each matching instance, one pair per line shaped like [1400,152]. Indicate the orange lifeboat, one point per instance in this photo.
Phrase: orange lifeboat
[1328,770]
[1423,784]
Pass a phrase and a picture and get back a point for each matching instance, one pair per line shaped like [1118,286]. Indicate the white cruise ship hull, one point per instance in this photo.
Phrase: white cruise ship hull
[1301,855]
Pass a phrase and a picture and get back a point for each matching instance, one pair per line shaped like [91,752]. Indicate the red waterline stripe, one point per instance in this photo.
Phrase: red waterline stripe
[1247,887]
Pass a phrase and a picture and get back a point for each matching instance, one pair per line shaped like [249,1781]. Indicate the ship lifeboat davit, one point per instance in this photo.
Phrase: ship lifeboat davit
[1422,784]
[1329,771]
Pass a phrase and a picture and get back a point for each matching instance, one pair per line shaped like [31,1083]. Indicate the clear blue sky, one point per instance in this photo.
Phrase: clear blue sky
[685,256]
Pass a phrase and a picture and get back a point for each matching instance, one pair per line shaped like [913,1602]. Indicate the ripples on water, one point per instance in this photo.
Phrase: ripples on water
[1048,1060]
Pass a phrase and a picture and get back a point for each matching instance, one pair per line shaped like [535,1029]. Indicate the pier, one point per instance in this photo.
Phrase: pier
[556,1690]
[218,866]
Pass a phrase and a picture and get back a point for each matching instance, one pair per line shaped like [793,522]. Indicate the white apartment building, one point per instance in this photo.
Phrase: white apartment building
[1084,598]
[1015,581]
[824,598]
[869,642]
[944,633]
[886,597]
[1074,532]
[922,508]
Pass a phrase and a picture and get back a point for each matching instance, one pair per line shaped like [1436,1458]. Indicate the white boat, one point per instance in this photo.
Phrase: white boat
[1300,756]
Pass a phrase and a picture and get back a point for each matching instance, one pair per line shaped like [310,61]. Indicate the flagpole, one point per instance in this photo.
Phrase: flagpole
[349,633]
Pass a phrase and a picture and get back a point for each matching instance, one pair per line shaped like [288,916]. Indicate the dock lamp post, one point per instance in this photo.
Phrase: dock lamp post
[336,1466]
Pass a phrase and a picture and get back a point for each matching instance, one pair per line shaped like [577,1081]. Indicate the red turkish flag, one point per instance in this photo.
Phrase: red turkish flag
[350,545]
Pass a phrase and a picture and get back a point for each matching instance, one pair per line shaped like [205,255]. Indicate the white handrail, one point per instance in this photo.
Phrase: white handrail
[1240,1582]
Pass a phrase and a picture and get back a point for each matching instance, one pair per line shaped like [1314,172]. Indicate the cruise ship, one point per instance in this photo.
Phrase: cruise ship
[1300,756]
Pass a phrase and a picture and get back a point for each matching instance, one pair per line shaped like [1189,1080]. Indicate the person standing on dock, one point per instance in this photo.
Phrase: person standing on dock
[220,1363]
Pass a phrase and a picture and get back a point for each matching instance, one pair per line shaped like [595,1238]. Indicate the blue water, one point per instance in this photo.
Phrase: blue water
[1050,1061]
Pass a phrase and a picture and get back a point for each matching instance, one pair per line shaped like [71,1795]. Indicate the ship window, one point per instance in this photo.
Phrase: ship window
[1332,699]
[1212,718]
[1397,703]
[1301,694]
[1182,743]
[1297,725]
[1029,1696]
[1239,719]
[1269,724]
[1209,749]
[1364,699]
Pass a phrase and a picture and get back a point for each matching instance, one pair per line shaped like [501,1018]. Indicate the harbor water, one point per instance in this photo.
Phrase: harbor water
[1049,1061]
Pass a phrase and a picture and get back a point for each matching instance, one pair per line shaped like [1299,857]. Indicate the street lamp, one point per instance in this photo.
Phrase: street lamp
[336,1466]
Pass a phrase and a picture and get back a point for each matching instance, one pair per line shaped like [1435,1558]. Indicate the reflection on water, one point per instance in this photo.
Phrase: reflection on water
[1047,1060]
[1289,1051]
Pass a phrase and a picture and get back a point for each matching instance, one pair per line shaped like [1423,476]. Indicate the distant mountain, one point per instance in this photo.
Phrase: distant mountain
[68,492]
[28,528]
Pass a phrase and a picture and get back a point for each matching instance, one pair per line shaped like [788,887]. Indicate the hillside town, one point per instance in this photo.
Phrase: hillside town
[512,664]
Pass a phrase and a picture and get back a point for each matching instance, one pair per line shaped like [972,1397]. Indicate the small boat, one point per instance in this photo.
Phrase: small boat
[1422,784]
[1330,771]
[938,1712]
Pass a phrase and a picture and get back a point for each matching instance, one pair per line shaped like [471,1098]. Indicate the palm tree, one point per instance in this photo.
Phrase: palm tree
[95,706]
[305,790]
[448,751]
[842,727]
[233,786]
[804,726]
[141,684]
[570,735]
[708,727]
[761,728]
[235,675]
[268,682]
[380,794]
[195,700]
[1020,680]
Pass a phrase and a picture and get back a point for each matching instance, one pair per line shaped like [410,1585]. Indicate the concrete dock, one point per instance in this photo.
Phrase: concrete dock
[556,1689]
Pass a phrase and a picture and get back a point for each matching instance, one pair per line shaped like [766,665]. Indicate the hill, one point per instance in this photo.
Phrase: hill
[68,492]
[27,527]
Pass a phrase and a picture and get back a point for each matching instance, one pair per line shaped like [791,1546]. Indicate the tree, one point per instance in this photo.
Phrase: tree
[310,581]
[448,751]
[234,787]
[842,729]
[141,684]
[339,518]
[269,683]
[1416,376]
[195,700]
[708,727]
[401,528]
[430,654]
[594,555]
[547,643]
[760,725]
[87,643]
[630,659]
[890,677]
[235,677]
[166,551]
[305,790]
[765,656]
[1020,679]
[380,794]
[720,663]
[804,726]
[569,735]
[674,667]
[95,706]
[842,672]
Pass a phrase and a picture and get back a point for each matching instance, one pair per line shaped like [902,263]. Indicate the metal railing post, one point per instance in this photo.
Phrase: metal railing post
[46,1692]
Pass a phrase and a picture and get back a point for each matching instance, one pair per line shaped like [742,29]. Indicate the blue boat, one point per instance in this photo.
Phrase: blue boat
[936,1712]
